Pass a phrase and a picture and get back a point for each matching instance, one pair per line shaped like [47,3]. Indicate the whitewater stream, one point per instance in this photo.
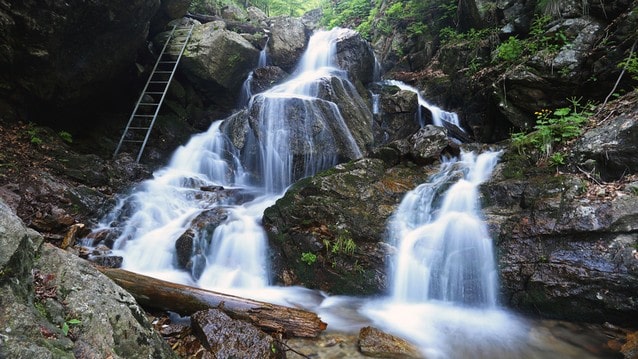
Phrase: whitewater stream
[443,278]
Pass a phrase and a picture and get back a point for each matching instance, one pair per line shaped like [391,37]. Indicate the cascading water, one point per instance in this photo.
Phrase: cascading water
[446,253]
[439,116]
[246,91]
[294,134]
[443,286]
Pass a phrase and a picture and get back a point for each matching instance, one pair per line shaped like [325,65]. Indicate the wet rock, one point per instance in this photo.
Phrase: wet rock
[107,261]
[225,337]
[329,137]
[562,253]
[355,56]
[267,77]
[397,117]
[192,245]
[424,146]
[287,42]
[613,144]
[375,343]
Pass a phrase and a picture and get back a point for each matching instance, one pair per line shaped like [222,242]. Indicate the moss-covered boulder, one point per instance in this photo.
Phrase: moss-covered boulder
[56,305]
[327,232]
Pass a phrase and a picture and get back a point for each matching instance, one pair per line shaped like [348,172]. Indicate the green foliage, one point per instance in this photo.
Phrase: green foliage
[553,127]
[352,12]
[538,43]
[34,135]
[395,11]
[510,50]
[372,18]
[269,7]
[630,64]
[308,258]
[557,159]
[343,243]
[66,325]
[473,36]
[65,136]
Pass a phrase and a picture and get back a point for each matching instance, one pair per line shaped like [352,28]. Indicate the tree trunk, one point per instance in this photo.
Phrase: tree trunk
[186,300]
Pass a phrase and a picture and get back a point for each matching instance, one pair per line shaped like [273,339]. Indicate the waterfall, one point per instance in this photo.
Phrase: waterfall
[293,134]
[439,116]
[246,91]
[443,277]
[263,55]
[445,253]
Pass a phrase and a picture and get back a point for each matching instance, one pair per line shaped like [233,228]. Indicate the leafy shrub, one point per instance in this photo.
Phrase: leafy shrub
[65,136]
[630,64]
[553,127]
[510,50]
[309,258]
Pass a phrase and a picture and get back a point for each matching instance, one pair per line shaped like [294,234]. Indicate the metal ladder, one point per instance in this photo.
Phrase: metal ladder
[140,124]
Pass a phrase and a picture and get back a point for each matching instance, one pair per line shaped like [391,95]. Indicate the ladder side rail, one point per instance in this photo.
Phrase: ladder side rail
[148,81]
[161,101]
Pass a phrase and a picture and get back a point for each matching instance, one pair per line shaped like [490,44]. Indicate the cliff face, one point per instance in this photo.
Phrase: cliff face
[65,55]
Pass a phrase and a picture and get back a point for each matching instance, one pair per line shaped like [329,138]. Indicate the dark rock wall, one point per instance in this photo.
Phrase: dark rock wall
[65,53]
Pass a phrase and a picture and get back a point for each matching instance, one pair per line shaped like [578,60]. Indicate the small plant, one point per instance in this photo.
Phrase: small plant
[553,127]
[34,133]
[343,243]
[510,50]
[630,64]
[66,325]
[557,159]
[308,258]
[65,136]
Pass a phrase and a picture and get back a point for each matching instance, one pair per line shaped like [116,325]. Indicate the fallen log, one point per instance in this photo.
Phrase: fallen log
[186,300]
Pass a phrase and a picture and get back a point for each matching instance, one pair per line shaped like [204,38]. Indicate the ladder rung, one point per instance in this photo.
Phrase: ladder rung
[175,45]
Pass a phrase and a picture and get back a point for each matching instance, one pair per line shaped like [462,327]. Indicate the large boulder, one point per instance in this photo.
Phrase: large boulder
[50,307]
[69,52]
[335,126]
[225,337]
[356,57]
[327,232]
[396,117]
[287,42]
[169,10]
[217,61]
